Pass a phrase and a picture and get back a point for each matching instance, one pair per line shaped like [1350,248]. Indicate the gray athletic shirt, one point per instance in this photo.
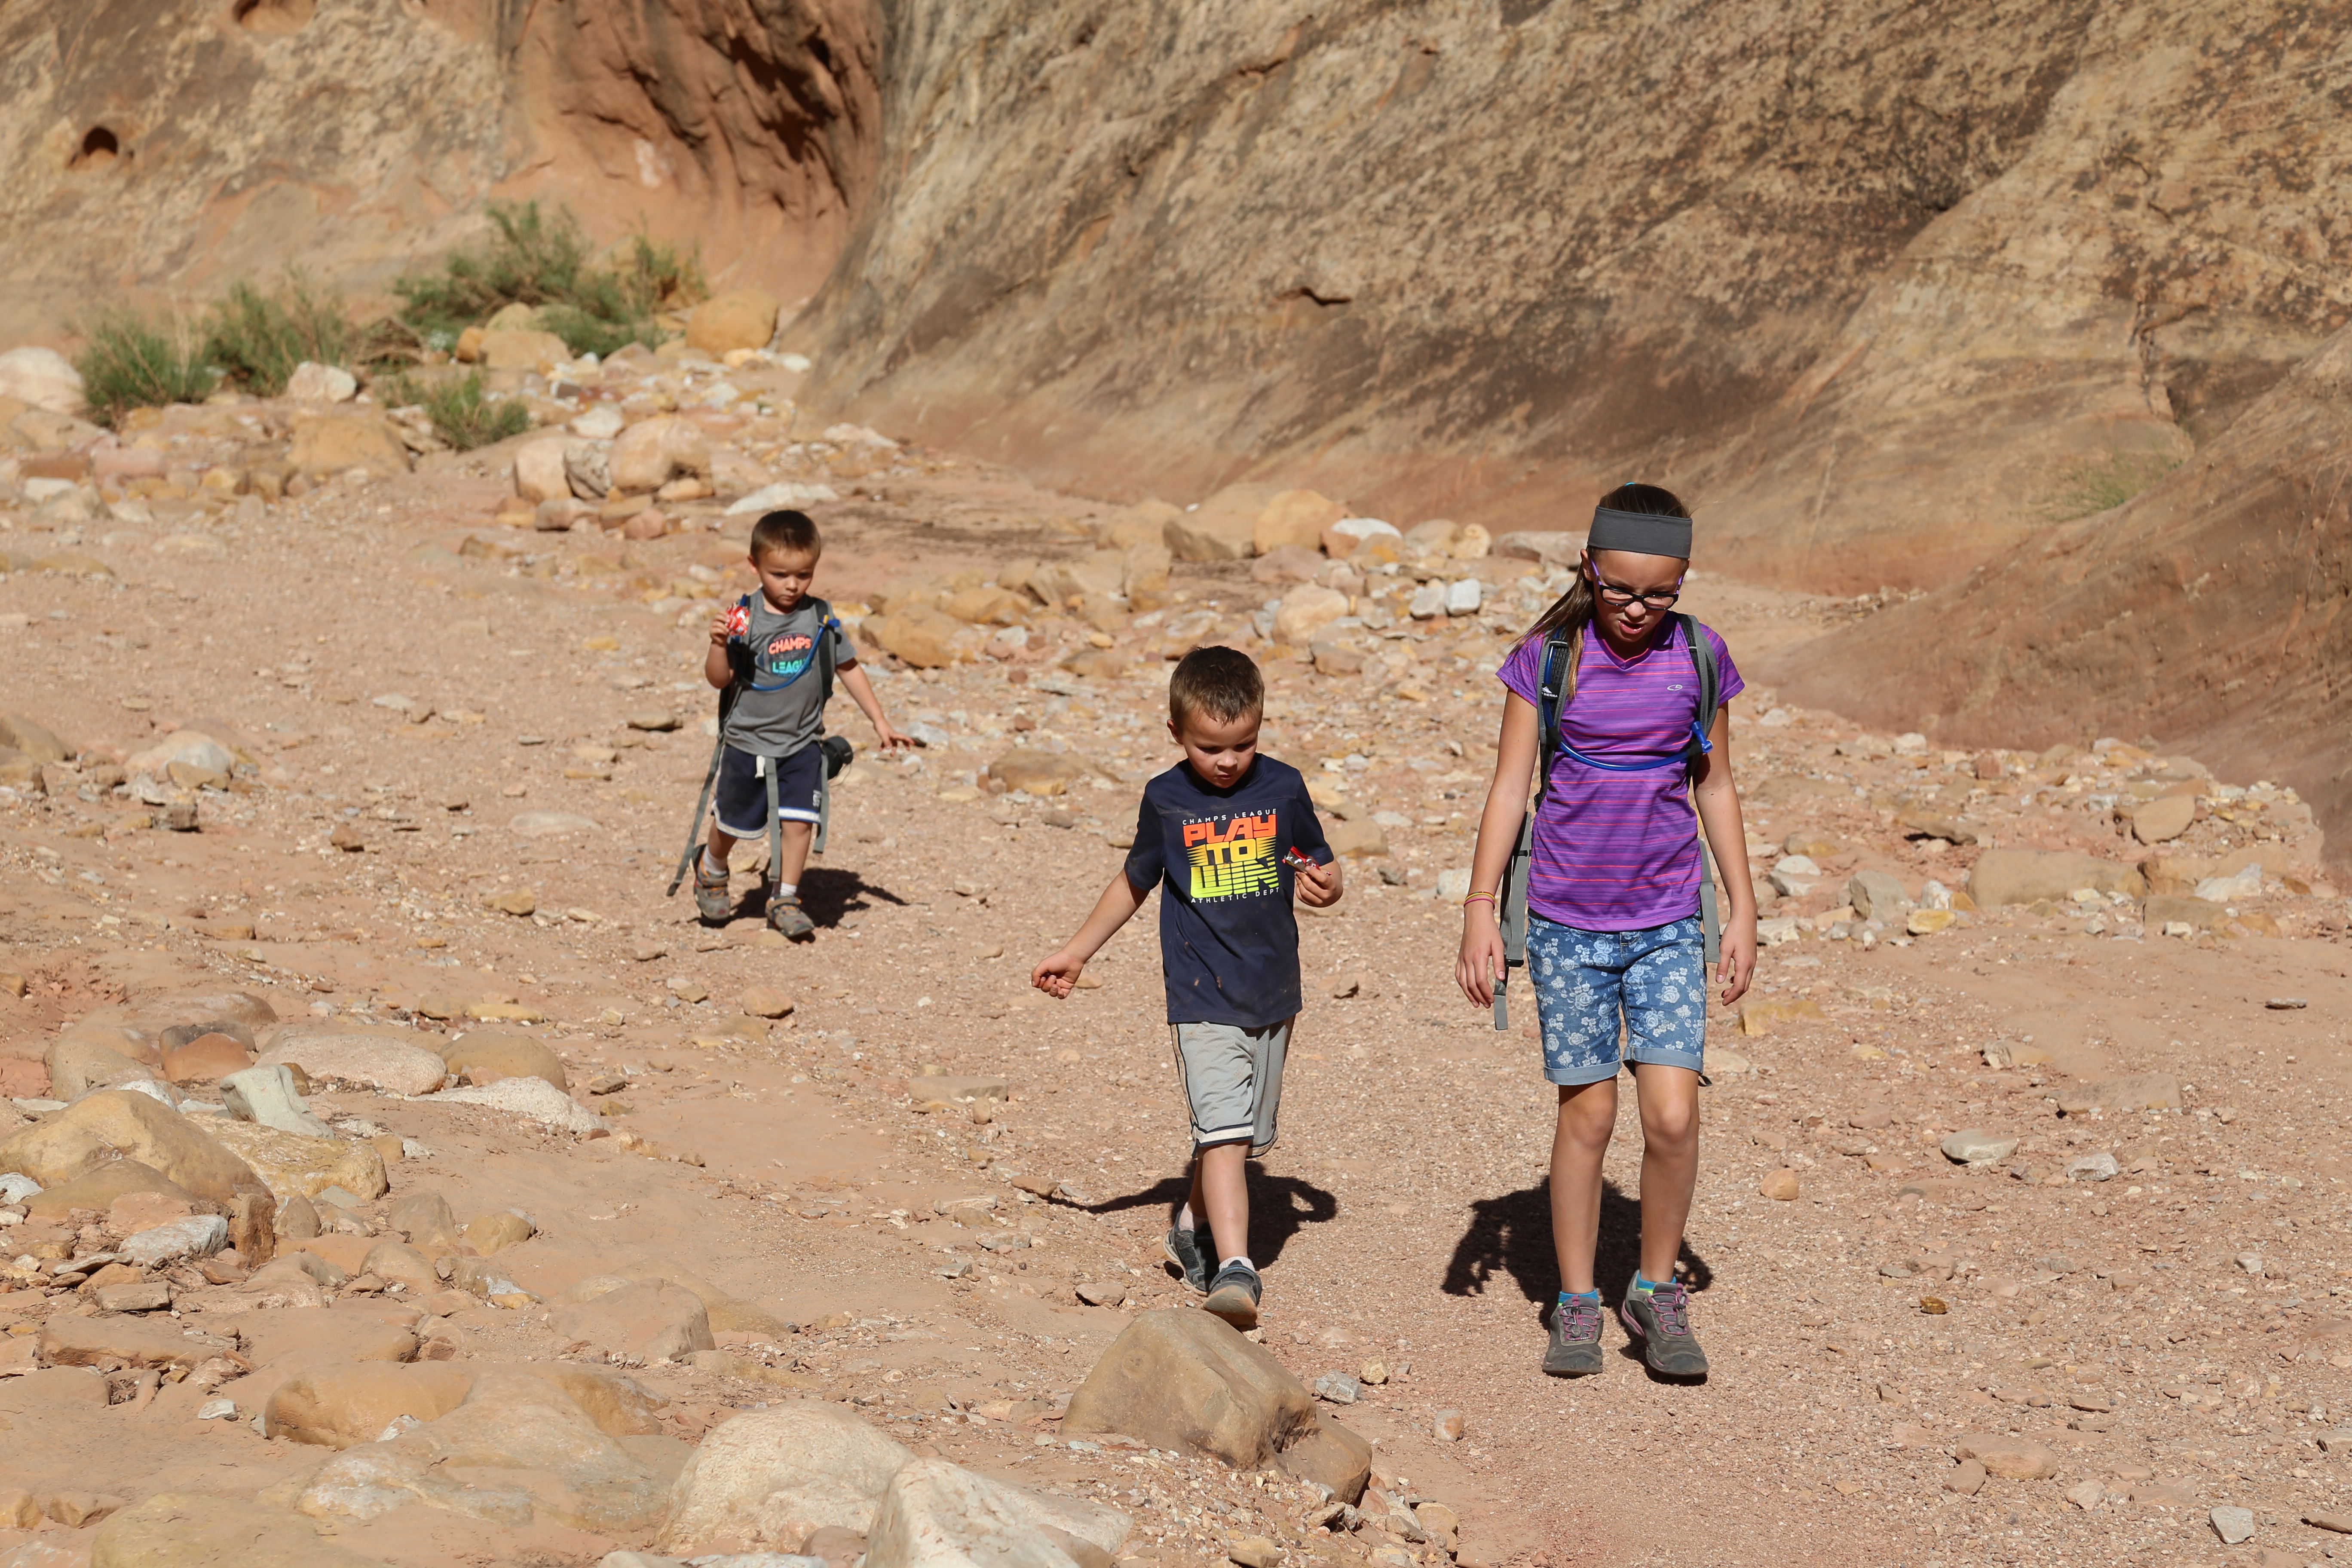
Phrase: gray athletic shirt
[779,703]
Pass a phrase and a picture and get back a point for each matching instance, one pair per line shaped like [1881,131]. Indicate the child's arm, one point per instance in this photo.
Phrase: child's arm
[1480,964]
[861,691]
[1117,906]
[1719,811]
[717,669]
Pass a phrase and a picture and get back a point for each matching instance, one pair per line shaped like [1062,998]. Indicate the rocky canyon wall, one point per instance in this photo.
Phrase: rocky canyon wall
[1866,280]
[157,150]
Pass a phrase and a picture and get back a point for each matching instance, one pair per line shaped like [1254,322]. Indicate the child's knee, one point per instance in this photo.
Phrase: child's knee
[1674,1123]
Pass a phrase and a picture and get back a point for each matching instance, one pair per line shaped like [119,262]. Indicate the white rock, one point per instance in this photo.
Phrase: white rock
[588,468]
[191,746]
[197,1235]
[39,489]
[1796,866]
[533,1099]
[1454,883]
[265,1095]
[858,436]
[799,364]
[152,1088]
[1910,744]
[2232,1524]
[1428,602]
[15,1187]
[936,1515]
[772,1475]
[42,377]
[1462,598]
[321,384]
[1773,932]
[217,1410]
[2247,883]
[2098,1167]
[600,422]
[391,1067]
[784,496]
[1362,528]
[1974,1146]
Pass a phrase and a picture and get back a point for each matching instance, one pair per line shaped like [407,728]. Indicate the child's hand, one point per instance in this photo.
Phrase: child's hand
[892,740]
[1318,885]
[722,627]
[1057,975]
[1738,966]
[1480,966]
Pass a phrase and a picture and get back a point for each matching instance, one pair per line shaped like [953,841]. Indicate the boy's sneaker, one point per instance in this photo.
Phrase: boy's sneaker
[1185,1251]
[1575,1347]
[1234,1295]
[787,916]
[1660,1319]
[710,899]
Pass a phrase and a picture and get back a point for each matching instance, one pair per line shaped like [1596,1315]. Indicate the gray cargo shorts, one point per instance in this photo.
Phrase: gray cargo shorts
[1233,1080]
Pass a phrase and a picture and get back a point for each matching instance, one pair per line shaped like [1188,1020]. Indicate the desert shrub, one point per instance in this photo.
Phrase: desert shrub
[255,340]
[2100,486]
[461,410]
[546,262]
[129,361]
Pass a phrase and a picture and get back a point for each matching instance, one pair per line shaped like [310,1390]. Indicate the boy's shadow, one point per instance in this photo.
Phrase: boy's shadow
[1280,1207]
[1511,1234]
[826,893]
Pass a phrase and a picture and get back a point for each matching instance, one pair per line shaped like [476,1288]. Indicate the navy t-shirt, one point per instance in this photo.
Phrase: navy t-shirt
[1228,938]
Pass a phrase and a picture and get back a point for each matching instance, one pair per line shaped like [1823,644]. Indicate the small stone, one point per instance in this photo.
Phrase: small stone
[1102,1295]
[1339,1388]
[1780,1186]
[766,1001]
[1252,1552]
[513,901]
[347,837]
[1967,1479]
[2086,1495]
[197,1235]
[2341,1523]
[1448,1427]
[653,720]
[2097,1167]
[1374,1371]
[1975,1146]
[2251,1262]
[2286,1004]
[1894,1271]
[2232,1524]
[1934,1306]
[2012,1459]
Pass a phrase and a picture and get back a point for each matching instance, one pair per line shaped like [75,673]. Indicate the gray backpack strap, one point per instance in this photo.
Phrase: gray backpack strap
[775,828]
[1702,656]
[1511,899]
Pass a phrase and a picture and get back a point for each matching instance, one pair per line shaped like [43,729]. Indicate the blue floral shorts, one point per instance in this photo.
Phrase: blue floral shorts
[1587,981]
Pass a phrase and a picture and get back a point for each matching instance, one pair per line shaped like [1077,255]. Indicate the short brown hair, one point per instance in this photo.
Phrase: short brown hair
[793,530]
[1220,682]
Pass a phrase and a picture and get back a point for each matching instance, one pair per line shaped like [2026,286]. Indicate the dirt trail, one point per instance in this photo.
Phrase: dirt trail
[793,1166]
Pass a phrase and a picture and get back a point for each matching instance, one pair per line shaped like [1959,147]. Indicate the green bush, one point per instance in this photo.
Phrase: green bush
[256,340]
[461,410]
[2089,488]
[547,263]
[130,362]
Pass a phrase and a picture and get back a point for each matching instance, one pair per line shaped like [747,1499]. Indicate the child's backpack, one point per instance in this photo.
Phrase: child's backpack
[835,750]
[1513,896]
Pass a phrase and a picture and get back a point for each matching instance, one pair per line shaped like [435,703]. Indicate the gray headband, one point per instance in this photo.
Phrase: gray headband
[1639,534]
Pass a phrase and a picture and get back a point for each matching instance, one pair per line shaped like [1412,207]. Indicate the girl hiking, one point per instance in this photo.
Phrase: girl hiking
[1638,728]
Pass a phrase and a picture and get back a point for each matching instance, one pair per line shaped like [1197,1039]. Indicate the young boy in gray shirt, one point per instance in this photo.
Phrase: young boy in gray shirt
[770,649]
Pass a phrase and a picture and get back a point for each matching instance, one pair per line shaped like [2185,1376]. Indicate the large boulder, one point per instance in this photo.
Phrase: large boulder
[1878,896]
[346,1403]
[33,738]
[291,1165]
[82,1062]
[540,471]
[935,1514]
[103,1187]
[42,377]
[771,1477]
[485,1055]
[426,1221]
[188,1529]
[1305,611]
[119,1341]
[1223,527]
[1187,1381]
[1330,1456]
[520,350]
[338,443]
[652,452]
[744,319]
[119,1125]
[926,637]
[1294,517]
[373,1061]
[659,1322]
[2027,876]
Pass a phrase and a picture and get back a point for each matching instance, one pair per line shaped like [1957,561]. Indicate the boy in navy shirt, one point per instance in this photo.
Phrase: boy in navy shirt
[1227,835]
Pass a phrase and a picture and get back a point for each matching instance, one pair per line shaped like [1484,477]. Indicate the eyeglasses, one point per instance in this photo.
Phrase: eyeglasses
[1613,594]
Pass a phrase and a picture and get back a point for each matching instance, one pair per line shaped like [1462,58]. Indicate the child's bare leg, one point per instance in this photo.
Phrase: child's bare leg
[1669,1104]
[1588,1115]
[793,849]
[1221,1196]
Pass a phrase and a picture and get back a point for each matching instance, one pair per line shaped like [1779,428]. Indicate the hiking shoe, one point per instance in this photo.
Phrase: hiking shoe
[1234,1295]
[1575,1347]
[710,899]
[1661,1321]
[1185,1251]
[787,916]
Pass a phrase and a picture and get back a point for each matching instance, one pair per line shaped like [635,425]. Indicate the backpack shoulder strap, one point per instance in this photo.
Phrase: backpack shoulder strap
[1702,658]
[1551,682]
[828,628]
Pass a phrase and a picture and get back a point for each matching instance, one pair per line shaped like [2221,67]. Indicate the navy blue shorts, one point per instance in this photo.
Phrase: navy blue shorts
[743,789]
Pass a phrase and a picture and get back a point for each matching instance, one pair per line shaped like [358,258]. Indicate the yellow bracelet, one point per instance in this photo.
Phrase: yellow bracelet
[1477,898]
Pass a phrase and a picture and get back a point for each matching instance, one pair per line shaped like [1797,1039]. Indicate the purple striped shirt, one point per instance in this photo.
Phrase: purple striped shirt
[1620,851]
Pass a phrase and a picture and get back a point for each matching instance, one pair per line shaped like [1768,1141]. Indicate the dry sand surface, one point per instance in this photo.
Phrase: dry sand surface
[457,801]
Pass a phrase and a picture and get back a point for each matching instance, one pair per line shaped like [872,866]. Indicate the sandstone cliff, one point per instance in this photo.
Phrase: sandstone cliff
[158,150]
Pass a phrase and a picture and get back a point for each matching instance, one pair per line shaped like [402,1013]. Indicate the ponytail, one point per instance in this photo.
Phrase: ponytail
[1571,613]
